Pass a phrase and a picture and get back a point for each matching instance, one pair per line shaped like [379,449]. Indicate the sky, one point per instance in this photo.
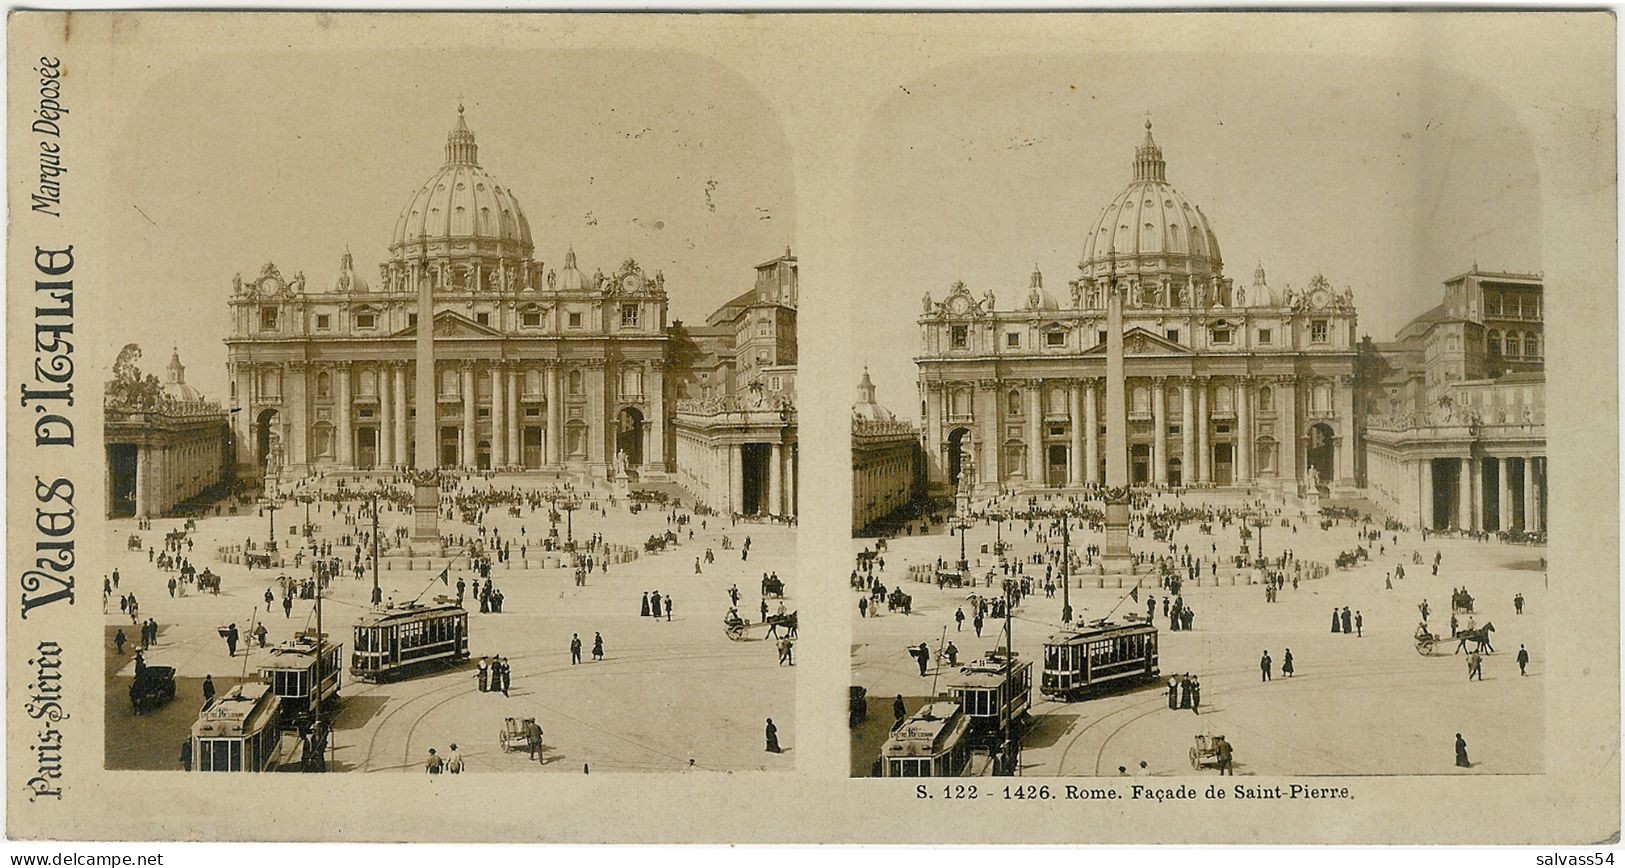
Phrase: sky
[225,166]
[1385,177]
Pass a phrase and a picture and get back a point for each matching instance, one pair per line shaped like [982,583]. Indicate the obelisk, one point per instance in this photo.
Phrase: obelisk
[1117,555]
[426,493]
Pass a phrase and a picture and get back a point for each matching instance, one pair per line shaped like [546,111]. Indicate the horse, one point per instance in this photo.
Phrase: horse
[1480,638]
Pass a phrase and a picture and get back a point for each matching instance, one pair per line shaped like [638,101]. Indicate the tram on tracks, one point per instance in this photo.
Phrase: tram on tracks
[996,694]
[401,640]
[292,676]
[1100,656]
[238,732]
[934,742]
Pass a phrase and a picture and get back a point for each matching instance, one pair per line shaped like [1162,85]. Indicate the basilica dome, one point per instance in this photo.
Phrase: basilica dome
[1153,223]
[867,409]
[463,202]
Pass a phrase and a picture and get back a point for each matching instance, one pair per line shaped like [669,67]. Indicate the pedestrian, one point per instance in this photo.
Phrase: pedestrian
[1348,621]
[1264,666]
[1173,693]
[898,711]
[1286,663]
[119,640]
[434,765]
[287,606]
[1196,696]
[269,599]
[959,619]
[208,690]
[772,737]
[533,740]
[597,646]
[1461,753]
[1226,756]
[1359,626]
[186,755]
[507,677]
[1337,624]
[1523,660]
[454,761]
[1517,603]
[1475,666]
[575,648]
[863,607]
[485,674]
[231,639]
[668,608]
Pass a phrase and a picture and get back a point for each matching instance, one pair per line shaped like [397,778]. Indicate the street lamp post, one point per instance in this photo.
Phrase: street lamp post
[1066,569]
[270,530]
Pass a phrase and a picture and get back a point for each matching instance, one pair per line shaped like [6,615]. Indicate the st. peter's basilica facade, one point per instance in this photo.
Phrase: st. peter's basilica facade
[1226,385]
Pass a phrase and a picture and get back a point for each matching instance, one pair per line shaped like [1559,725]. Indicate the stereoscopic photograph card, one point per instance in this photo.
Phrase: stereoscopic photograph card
[410,416]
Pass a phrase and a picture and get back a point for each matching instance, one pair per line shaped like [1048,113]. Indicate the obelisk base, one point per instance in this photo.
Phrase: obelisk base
[1117,557]
[426,517]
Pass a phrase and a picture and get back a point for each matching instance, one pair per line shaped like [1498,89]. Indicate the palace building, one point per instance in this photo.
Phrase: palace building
[1226,384]
[736,427]
[537,368]
[1456,433]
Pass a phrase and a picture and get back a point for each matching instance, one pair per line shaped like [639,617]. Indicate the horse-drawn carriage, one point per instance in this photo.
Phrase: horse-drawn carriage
[772,586]
[1427,643]
[153,686]
[209,582]
[1205,754]
[659,542]
[515,734]
[739,629]
[951,579]
[897,600]
[133,543]
[1461,601]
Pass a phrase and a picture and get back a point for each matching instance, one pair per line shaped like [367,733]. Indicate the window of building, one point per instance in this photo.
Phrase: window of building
[531,319]
[629,315]
[322,321]
[1142,399]
[1492,303]
[1266,399]
[267,319]
[1265,336]
[959,337]
[1221,334]
[1055,339]
[1531,345]
[1494,342]
[575,320]
[1013,340]
[366,320]
[775,383]
[1100,336]
[764,327]
[1012,402]
[412,319]
[1320,399]
[448,382]
[1512,344]
[483,319]
[632,383]
[1172,335]
[1317,331]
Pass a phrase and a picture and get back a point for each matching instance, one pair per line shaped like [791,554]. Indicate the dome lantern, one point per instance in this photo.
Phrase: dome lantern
[460,147]
[1148,162]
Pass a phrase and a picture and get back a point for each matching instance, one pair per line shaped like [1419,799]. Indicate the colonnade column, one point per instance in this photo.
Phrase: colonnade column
[1074,455]
[1091,435]
[346,444]
[499,415]
[1531,497]
[1035,432]
[1503,487]
[516,455]
[1187,444]
[1159,431]
[1244,429]
[936,458]
[1204,450]
[1424,512]
[554,436]
[775,480]
[386,416]
[1345,414]
[468,454]
[736,477]
[1466,516]
[791,454]
[402,454]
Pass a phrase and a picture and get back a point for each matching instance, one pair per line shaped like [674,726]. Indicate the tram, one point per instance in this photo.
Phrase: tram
[238,732]
[394,642]
[291,673]
[1102,655]
[934,742]
[996,692]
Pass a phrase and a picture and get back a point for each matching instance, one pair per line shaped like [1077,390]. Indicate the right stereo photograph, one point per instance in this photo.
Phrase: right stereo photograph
[1198,433]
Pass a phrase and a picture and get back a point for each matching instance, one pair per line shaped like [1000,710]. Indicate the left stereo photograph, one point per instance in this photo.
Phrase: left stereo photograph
[452,425]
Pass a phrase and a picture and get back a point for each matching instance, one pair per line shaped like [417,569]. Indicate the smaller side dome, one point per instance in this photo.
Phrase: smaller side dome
[867,408]
[571,278]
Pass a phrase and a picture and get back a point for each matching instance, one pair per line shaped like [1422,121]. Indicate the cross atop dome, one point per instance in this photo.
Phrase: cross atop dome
[1148,162]
[460,147]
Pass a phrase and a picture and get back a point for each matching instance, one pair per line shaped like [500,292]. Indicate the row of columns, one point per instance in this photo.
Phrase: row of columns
[169,473]
[1083,465]
[1472,503]
[504,405]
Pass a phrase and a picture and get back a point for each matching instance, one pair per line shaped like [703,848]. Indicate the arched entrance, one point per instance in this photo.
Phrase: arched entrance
[265,436]
[629,436]
[1322,452]
[1139,458]
[956,453]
